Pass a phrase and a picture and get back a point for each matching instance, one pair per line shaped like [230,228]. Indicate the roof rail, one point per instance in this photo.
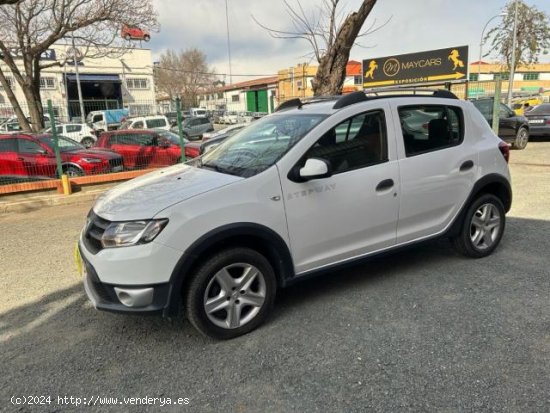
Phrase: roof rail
[291,103]
[401,91]
[298,103]
[356,97]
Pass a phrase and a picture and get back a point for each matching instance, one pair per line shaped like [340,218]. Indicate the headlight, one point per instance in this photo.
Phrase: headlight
[124,234]
[91,160]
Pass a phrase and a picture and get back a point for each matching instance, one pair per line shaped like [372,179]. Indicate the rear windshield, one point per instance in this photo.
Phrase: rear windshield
[537,110]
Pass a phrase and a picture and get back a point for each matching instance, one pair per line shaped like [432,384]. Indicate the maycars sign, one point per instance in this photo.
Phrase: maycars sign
[443,65]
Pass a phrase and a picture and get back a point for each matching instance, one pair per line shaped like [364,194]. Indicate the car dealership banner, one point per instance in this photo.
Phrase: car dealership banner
[442,65]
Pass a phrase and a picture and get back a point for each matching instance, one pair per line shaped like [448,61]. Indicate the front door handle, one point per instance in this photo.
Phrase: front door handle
[384,185]
[19,159]
[466,166]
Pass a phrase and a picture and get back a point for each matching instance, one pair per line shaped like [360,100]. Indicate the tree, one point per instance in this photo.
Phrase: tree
[533,35]
[184,74]
[330,37]
[30,27]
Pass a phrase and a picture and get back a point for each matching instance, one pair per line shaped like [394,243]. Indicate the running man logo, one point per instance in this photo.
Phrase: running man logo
[454,57]
[372,67]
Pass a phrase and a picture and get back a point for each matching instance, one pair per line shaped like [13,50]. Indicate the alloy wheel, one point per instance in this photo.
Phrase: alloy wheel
[485,226]
[234,295]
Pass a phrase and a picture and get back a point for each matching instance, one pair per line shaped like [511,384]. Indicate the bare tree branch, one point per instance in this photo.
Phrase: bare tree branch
[330,35]
[28,28]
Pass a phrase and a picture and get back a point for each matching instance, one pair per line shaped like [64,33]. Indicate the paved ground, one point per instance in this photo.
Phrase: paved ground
[424,330]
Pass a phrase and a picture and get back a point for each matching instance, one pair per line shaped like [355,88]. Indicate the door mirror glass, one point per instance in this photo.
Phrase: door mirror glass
[315,168]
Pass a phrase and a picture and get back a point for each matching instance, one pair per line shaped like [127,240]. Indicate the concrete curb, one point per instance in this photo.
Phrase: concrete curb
[42,201]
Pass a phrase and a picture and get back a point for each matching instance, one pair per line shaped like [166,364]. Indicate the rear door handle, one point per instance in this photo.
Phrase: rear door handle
[384,185]
[466,166]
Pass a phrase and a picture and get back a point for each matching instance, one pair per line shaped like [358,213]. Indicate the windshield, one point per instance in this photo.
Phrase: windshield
[258,146]
[65,144]
[172,137]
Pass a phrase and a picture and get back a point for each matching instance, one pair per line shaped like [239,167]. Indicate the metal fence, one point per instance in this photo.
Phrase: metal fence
[37,161]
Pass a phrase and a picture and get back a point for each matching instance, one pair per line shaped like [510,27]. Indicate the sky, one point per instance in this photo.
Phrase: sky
[412,25]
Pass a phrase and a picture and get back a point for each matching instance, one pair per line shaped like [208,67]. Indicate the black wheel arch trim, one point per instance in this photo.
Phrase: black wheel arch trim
[278,248]
[485,182]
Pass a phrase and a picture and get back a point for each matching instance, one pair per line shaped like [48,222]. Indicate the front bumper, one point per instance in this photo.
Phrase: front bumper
[121,298]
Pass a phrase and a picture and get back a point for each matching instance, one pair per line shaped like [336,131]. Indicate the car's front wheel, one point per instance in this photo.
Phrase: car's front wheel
[231,294]
[522,138]
[482,227]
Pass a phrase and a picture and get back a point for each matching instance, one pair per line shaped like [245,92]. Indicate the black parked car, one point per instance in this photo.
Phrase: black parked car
[539,120]
[512,128]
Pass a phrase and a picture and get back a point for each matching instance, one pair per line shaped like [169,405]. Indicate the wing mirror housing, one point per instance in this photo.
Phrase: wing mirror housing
[314,168]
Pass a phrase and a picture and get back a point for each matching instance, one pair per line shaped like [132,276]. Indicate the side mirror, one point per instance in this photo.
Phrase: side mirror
[315,168]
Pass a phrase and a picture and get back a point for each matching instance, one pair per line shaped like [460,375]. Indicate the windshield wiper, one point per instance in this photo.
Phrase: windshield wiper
[219,168]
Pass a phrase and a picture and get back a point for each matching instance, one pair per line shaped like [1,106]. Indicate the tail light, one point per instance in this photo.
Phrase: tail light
[504,150]
[191,152]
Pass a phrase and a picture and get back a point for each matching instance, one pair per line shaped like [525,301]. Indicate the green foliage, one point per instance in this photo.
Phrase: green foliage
[533,34]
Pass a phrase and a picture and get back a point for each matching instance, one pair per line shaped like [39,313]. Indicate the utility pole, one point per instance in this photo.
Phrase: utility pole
[513,61]
[80,101]
[228,43]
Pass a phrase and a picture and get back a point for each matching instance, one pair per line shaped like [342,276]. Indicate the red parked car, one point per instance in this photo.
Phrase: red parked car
[134,33]
[34,156]
[144,148]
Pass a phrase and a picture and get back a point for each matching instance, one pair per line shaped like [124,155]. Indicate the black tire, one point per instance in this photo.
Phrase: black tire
[88,142]
[464,243]
[128,37]
[72,171]
[522,138]
[146,37]
[204,280]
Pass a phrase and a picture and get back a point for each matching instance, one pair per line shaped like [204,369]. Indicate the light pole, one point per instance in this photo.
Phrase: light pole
[78,88]
[513,62]
[481,42]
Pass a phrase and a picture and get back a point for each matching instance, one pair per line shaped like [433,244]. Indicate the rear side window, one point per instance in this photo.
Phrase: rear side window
[74,128]
[428,128]
[8,145]
[155,123]
[137,125]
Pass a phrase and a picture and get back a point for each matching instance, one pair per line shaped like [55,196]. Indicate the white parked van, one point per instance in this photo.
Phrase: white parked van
[197,112]
[147,122]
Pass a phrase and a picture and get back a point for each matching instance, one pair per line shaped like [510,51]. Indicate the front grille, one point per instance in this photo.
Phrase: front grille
[115,162]
[94,231]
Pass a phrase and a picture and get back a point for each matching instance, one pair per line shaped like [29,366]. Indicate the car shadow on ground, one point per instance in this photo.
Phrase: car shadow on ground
[70,309]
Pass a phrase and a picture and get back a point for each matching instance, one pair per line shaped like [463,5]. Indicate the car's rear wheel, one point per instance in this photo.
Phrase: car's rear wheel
[88,142]
[128,37]
[231,294]
[482,227]
[522,138]
[146,37]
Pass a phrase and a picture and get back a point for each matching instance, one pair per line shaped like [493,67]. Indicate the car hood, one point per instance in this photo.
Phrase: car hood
[101,153]
[146,196]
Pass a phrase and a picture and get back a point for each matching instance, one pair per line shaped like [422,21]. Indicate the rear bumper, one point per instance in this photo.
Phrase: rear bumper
[539,130]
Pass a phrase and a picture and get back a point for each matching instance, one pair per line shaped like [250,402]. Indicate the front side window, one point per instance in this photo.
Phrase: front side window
[428,128]
[137,125]
[357,142]
[260,145]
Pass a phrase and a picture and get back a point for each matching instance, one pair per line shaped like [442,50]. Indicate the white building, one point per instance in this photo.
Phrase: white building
[125,81]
